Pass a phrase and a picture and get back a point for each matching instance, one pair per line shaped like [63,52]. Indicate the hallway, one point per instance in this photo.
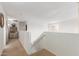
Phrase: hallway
[14,48]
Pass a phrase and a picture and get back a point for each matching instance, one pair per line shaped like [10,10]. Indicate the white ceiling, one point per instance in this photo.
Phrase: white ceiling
[52,11]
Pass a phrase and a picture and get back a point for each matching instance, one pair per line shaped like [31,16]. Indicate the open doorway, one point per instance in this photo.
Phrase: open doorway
[12,29]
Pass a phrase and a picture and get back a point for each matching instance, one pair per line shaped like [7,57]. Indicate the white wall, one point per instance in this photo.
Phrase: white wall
[25,40]
[69,26]
[3,30]
[24,37]
[1,38]
[62,44]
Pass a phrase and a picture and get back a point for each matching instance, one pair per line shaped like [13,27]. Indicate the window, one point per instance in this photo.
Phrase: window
[53,27]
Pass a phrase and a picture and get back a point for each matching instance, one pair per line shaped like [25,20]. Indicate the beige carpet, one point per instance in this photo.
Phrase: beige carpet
[0,52]
[14,48]
[43,52]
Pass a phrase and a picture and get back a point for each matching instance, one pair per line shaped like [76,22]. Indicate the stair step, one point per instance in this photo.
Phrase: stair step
[43,52]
